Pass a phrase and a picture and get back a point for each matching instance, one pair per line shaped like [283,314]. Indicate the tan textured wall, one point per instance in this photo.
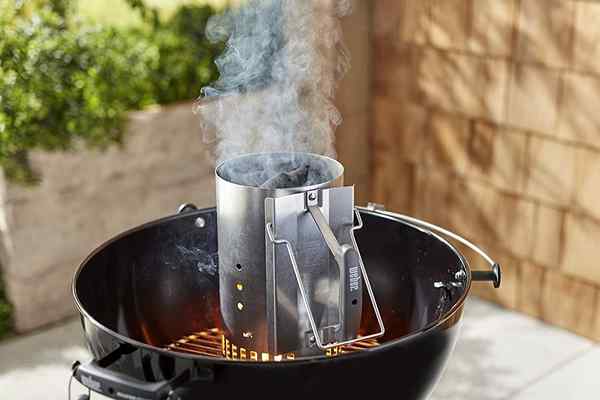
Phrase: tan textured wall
[487,120]
[354,100]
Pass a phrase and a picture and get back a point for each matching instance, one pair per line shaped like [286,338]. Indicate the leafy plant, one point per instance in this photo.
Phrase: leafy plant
[58,85]
[186,57]
[61,82]
[148,14]
[5,312]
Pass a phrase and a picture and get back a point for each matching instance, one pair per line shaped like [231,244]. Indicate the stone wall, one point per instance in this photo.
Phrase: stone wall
[87,197]
[486,121]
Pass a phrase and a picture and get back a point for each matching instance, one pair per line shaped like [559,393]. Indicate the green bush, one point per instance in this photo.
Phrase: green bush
[58,85]
[61,82]
[5,312]
[186,58]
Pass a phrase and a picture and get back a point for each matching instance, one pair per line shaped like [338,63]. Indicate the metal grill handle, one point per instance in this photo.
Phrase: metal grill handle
[340,253]
[493,275]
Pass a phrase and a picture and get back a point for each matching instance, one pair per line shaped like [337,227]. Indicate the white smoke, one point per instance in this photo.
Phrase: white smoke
[279,73]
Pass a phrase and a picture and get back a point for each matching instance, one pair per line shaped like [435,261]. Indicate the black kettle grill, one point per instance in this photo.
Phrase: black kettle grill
[150,310]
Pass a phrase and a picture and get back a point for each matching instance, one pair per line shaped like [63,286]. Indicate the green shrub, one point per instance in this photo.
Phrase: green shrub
[186,58]
[5,312]
[58,85]
[62,82]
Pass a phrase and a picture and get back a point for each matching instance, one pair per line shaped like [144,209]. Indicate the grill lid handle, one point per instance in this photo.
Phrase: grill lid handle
[96,375]
[494,275]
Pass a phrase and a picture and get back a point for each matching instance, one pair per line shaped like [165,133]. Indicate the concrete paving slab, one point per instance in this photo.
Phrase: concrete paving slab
[501,352]
[38,366]
[577,380]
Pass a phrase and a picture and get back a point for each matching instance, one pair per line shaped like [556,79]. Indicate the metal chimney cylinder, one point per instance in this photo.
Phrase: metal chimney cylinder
[288,264]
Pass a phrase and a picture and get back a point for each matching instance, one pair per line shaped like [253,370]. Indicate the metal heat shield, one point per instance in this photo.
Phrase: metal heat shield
[336,310]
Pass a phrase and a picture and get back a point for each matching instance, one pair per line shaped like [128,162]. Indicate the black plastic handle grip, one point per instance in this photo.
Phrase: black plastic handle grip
[96,376]
[494,275]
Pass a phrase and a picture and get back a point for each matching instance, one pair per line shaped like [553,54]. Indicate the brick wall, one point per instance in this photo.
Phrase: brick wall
[486,119]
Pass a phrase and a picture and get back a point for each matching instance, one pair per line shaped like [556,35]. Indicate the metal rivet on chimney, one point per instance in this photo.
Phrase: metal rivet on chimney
[200,222]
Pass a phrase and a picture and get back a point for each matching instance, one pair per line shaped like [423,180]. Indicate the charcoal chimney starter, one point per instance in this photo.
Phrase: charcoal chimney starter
[291,275]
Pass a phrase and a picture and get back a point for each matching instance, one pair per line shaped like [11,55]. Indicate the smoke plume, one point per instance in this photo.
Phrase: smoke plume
[278,76]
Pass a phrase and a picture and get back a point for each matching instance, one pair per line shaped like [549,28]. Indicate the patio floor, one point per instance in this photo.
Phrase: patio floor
[501,355]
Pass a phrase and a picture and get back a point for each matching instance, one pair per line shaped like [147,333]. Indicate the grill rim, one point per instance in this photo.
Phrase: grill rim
[440,322]
[283,191]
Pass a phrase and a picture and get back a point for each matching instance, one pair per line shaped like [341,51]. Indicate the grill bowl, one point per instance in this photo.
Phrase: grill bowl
[157,283]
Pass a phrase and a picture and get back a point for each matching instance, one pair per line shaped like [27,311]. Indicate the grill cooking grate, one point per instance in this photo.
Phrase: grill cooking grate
[212,343]
[205,343]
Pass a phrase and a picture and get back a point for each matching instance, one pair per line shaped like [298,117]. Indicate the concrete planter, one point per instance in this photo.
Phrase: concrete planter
[87,197]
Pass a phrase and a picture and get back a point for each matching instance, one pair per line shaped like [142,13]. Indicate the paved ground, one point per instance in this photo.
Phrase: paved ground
[501,356]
